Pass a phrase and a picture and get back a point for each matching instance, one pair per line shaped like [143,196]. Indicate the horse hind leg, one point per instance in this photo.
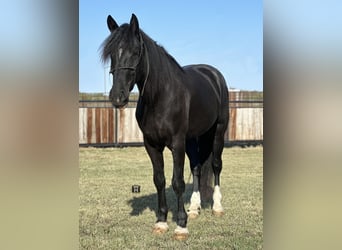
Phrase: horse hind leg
[178,184]
[217,167]
[195,200]
[193,155]
[198,151]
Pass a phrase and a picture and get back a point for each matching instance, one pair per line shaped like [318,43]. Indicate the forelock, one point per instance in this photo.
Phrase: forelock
[112,41]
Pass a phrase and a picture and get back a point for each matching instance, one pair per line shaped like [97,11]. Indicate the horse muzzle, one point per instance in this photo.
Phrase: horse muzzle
[118,100]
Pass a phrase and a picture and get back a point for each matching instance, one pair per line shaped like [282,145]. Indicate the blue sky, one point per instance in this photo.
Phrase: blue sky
[223,33]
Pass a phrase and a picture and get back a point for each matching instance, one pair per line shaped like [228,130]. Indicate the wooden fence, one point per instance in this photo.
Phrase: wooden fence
[102,125]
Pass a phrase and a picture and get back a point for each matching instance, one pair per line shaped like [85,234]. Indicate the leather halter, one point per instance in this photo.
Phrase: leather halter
[134,68]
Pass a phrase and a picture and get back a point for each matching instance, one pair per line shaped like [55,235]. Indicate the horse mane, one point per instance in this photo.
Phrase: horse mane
[165,69]
[156,52]
[159,51]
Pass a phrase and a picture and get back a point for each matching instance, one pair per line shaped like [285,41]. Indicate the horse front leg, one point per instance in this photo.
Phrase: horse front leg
[178,184]
[156,156]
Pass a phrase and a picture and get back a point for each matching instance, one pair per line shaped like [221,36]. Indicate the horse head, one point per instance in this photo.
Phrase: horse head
[124,48]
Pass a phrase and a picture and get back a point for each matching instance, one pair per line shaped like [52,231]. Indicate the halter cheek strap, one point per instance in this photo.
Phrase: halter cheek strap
[148,72]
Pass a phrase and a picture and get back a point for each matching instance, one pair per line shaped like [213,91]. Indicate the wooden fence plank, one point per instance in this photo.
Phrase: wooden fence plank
[104,129]
[232,125]
[82,121]
[111,125]
[98,125]
[89,124]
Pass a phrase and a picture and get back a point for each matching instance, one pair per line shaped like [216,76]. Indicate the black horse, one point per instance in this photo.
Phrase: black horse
[182,108]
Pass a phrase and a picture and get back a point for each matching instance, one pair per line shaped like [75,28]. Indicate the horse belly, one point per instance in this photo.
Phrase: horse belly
[201,120]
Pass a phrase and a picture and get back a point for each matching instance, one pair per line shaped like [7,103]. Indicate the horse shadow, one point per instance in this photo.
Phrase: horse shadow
[140,203]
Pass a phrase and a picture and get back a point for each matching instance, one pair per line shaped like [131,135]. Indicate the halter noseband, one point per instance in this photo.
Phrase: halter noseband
[134,68]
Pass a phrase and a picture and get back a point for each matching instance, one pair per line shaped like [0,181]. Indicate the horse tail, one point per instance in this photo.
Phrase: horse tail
[207,174]
[207,180]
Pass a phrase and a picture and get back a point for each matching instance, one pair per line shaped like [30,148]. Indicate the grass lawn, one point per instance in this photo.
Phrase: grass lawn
[112,217]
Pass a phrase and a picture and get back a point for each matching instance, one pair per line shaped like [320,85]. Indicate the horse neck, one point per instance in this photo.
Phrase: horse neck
[158,75]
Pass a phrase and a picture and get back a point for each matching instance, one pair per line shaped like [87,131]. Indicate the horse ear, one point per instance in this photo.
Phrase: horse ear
[112,25]
[134,25]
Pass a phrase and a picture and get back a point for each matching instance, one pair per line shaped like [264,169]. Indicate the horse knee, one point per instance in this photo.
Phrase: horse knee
[182,218]
[159,181]
[178,186]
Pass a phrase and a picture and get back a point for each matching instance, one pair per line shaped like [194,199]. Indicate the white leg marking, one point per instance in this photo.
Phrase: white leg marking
[161,225]
[195,201]
[217,197]
[181,230]
[160,228]
[195,205]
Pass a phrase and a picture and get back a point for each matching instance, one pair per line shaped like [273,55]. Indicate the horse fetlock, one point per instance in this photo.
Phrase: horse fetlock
[182,219]
[195,205]
[217,198]
[195,200]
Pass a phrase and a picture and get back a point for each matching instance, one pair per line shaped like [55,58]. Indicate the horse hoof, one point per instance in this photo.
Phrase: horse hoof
[160,228]
[218,213]
[181,233]
[193,215]
[180,237]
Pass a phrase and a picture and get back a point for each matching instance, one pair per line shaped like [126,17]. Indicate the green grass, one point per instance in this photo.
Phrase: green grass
[112,217]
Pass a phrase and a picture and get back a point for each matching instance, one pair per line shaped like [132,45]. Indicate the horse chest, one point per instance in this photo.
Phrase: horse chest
[153,130]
